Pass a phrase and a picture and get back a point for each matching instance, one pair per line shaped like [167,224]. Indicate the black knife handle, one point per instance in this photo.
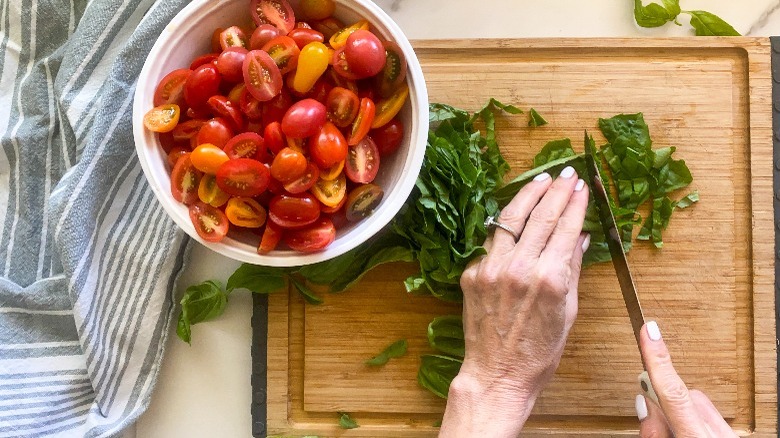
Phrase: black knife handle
[259,365]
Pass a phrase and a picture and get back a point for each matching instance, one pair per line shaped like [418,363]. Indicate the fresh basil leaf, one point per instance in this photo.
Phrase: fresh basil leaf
[437,372]
[688,200]
[628,125]
[672,176]
[536,119]
[201,302]
[708,24]
[508,191]
[258,279]
[306,292]
[445,334]
[655,15]
[554,150]
[346,422]
[394,350]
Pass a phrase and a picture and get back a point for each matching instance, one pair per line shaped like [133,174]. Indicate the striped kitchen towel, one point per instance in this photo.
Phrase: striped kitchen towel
[88,259]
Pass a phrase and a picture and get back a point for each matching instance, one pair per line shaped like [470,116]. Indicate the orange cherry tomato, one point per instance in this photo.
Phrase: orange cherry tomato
[163,118]
[210,193]
[388,108]
[332,172]
[312,63]
[317,9]
[330,193]
[339,39]
[271,237]
[328,147]
[288,165]
[328,26]
[245,212]
[207,158]
[363,121]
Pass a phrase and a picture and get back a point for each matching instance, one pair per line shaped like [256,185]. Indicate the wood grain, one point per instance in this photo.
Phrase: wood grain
[711,288]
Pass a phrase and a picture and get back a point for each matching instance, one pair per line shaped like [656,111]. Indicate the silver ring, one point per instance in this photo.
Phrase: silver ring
[492,222]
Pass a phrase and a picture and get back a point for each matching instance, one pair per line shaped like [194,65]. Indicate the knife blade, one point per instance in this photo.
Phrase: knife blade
[619,261]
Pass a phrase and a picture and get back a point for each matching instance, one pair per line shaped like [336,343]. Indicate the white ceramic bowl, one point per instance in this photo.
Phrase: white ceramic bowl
[189,35]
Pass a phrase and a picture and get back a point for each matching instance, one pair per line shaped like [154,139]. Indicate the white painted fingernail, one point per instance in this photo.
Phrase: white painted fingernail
[579,186]
[653,331]
[586,243]
[542,176]
[641,407]
[567,172]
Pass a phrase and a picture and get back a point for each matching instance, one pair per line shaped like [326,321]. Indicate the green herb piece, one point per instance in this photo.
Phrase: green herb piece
[554,150]
[346,422]
[655,15]
[536,119]
[688,200]
[445,334]
[201,302]
[258,279]
[437,372]
[394,350]
[437,424]
[306,292]
[708,24]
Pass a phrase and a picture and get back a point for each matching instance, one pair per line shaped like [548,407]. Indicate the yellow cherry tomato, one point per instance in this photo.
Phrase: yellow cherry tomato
[207,158]
[339,39]
[330,192]
[245,212]
[312,63]
[162,118]
[332,172]
[386,109]
[210,193]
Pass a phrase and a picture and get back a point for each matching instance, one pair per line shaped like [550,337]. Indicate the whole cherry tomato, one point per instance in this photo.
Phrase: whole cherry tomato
[274,138]
[201,84]
[288,165]
[328,147]
[305,36]
[388,137]
[312,63]
[230,64]
[207,158]
[312,238]
[317,9]
[263,34]
[304,119]
[216,131]
[364,53]
[293,211]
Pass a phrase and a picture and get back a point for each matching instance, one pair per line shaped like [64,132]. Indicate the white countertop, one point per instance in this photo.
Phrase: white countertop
[204,390]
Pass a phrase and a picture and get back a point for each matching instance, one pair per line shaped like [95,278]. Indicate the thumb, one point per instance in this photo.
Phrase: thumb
[652,420]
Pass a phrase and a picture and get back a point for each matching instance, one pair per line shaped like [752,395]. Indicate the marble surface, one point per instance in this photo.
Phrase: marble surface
[203,390]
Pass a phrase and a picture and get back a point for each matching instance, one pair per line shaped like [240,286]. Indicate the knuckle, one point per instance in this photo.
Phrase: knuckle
[512,216]
[568,224]
[674,391]
[543,216]
[489,275]
[549,282]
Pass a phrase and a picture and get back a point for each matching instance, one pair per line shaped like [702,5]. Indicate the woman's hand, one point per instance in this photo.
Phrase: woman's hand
[519,303]
[682,413]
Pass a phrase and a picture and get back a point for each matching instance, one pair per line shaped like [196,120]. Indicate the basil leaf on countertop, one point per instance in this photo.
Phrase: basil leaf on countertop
[445,333]
[688,200]
[306,292]
[346,422]
[258,279]
[655,15]
[709,24]
[437,372]
[201,302]
[536,119]
[394,350]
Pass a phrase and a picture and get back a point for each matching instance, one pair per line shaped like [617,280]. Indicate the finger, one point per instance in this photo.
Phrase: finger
[572,297]
[544,216]
[516,213]
[709,413]
[652,423]
[564,238]
[674,396]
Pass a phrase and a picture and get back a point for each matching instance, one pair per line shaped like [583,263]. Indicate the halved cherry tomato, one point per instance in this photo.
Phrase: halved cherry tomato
[247,145]
[236,92]
[293,211]
[284,52]
[263,34]
[362,162]
[332,172]
[186,130]
[302,25]
[317,9]
[275,12]
[215,45]
[328,147]
[245,212]
[225,109]
[330,192]
[341,66]
[388,108]
[168,143]
[312,63]
[388,137]
[175,154]
[216,131]
[320,91]
[298,145]
[164,118]
[394,71]
[202,84]
[340,81]
[230,64]
[330,210]
[303,36]
[304,119]
[210,193]
[362,201]
[362,123]
[313,238]
[199,113]
[275,109]
[328,26]
[342,106]
[233,36]
[273,137]
[250,106]
[203,60]
[210,223]
[339,39]
[207,158]
[288,165]
[272,234]
[185,179]
[171,88]
[261,75]
[275,187]
[243,177]
[364,53]
[305,182]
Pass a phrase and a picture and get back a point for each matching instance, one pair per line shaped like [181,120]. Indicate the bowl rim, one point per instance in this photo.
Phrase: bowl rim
[369,227]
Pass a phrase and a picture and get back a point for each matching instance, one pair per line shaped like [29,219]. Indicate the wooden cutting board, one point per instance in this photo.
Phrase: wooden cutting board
[711,288]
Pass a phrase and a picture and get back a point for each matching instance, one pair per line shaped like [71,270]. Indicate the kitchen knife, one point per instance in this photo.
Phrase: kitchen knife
[619,261]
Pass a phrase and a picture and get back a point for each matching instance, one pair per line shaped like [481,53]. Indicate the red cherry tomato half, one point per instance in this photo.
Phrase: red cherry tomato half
[363,121]
[388,137]
[210,223]
[274,138]
[341,66]
[305,182]
[293,211]
[364,53]
[247,145]
[175,154]
[263,34]
[288,165]
[233,36]
[251,107]
[303,36]
[203,60]
[275,12]
[243,177]
[215,45]
[272,234]
[201,84]
[185,179]
[362,201]
[216,131]
[261,75]
[313,238]
[171,88]
[328,26]
[186,130]
[230,64]
[284,52]
[394,72]
[328,147]
[222,107]
[304,119]
[362,162]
